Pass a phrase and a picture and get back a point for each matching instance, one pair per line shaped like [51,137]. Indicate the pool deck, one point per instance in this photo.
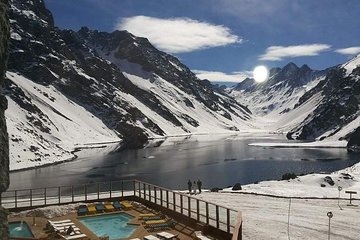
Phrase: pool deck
[40,232]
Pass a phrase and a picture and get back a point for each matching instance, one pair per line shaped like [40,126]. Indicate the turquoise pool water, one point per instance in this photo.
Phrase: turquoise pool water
[20,229]
[113,225]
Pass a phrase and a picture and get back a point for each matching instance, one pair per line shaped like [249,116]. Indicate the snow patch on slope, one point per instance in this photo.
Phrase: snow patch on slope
[69,124]
[351,65]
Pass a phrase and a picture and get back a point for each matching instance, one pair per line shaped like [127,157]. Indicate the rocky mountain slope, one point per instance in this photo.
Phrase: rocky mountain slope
[70,89]
[4,144]
[336,116]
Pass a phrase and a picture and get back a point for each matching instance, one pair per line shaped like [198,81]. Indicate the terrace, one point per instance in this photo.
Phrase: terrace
[191,215]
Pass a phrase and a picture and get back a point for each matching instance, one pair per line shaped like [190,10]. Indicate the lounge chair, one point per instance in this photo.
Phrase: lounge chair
[60,221]
[166,235]
[91,208]
[64,229]
[126,205]
[109,207]
[82,210]
[152,222]
[151,237]
[141,216]
[161,226]
[71,231]
[200,236]
[100,207]
[61,225]
[117,205]
[153,218]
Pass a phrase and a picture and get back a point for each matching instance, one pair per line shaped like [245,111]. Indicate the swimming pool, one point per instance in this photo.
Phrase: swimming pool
[20,229]
[113,225]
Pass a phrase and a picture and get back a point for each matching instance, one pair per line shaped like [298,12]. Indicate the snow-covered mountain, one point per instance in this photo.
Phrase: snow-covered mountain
[69,89]
[305,103]
[280,92]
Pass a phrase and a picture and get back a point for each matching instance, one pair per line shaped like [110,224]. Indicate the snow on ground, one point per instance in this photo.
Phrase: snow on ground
[267,217]
[308,185]
[48,212]
[316,144]
[265,206]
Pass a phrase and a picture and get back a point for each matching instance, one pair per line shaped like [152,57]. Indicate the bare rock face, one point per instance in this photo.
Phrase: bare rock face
[4,144]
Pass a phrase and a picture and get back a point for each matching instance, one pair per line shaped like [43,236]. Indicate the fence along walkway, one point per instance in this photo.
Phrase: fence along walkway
[214,215]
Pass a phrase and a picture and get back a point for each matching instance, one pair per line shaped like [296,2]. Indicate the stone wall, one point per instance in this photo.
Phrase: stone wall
[4,144]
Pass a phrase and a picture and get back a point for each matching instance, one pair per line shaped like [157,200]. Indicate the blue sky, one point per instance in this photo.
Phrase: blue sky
[226,39]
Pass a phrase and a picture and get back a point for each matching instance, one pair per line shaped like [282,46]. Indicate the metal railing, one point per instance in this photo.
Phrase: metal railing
[203,211]
[14,199]
[217,216]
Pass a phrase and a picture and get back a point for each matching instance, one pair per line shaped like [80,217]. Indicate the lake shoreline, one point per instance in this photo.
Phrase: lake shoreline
[218,160]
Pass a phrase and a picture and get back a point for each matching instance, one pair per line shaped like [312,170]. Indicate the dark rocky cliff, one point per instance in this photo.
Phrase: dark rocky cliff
[4,145]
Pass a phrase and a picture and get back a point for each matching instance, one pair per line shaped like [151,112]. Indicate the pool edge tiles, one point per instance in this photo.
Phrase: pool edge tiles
[114,225]
[27,228]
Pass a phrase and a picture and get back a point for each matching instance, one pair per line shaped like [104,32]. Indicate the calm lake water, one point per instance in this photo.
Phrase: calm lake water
[218,161]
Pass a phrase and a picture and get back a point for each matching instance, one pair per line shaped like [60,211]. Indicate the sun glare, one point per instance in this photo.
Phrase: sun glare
[260,74]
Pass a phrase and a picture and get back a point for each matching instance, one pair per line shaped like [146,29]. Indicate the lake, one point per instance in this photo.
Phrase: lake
[219,161]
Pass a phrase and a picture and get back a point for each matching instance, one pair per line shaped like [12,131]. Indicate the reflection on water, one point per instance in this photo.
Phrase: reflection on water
[218,161]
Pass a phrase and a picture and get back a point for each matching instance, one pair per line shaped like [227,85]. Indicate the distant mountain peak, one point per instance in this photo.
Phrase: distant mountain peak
[290,66]
[305,67]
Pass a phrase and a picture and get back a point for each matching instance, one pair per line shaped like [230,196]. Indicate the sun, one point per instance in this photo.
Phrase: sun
[260,74]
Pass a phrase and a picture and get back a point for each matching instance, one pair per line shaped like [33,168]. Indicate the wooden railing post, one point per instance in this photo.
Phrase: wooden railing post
[155,193]
[161,197]
[134,186]
[228,220]
[59,194]
[110,189]
[149,192]
[15,199]
[217,217]
[45,196]
[181,204]
[72,193]
[197,210]
[98,190]
[207,212]
[174,201]
[85,190]
[139,190]
[167,199]
[122,188]
[30,197]
[189,207]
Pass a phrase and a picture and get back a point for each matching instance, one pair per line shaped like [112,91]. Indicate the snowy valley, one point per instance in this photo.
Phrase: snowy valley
[69,90]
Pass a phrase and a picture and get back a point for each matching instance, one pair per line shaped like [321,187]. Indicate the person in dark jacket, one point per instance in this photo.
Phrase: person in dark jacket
[199,184]
[189,186]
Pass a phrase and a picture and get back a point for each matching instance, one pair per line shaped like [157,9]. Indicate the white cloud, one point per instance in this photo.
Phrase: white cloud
[278,53]
[176,35]
[348,51]
[221,76]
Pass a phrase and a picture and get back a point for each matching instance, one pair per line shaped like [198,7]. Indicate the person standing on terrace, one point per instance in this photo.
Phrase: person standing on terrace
[199,184]
[189,186]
